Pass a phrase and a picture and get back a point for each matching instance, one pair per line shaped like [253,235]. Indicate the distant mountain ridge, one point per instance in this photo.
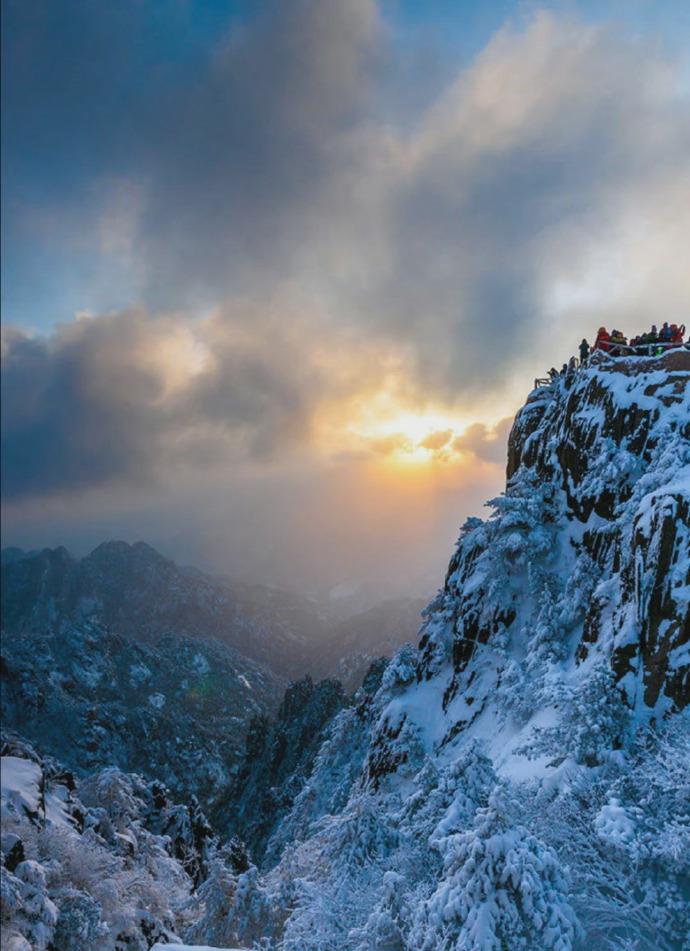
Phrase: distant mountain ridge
[135,591]
[90,689]
[101,651]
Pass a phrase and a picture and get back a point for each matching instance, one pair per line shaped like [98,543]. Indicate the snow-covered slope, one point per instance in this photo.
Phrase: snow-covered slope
[106,863]
[174,708]
[519,781]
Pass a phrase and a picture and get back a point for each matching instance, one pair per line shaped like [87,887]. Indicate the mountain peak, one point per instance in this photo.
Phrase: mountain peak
[121,551]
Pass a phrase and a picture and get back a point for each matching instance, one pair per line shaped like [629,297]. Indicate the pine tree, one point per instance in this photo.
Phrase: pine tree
[79,922]
[387,924]
[502,890]
[36,915]
[546,646]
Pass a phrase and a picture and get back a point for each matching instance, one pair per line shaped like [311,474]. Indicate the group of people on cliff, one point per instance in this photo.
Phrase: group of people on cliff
[646,344]
[650,344]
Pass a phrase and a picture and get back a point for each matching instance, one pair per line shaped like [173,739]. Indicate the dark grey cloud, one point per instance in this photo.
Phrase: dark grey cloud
[236,162]
[124,397]
[77,410]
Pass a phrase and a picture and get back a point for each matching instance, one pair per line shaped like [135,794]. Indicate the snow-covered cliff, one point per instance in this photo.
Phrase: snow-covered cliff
[579,582]
[521,779]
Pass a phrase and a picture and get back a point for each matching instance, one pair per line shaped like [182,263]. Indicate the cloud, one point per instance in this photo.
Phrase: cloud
[437,440]
[394,442]
[77,409]
[526,159]
[446,244]
[528,177]
[127,399]
[237,162]
[488,444]
[124,397]
[462,236]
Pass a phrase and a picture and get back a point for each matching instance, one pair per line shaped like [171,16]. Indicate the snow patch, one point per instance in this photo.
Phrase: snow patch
[138,674]
[20,784]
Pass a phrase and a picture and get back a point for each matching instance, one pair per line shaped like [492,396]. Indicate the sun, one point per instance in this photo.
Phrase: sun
[409,437]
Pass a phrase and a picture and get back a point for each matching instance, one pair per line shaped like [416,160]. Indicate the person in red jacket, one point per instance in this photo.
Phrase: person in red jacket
[603,341]
[677,334]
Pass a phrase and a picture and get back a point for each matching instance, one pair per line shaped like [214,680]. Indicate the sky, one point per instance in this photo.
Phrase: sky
[278,275]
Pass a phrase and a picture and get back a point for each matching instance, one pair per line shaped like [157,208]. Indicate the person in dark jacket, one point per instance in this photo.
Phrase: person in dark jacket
[584,352]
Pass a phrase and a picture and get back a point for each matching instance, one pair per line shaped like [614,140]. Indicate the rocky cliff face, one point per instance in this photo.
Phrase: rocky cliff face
[622,437]
[279,756]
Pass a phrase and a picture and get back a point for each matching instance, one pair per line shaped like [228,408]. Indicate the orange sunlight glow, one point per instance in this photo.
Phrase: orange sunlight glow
[388,427]
[412,437]
[404,436]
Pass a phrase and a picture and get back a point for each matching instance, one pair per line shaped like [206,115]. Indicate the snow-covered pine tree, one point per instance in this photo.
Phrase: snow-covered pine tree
[388,923]
[35,915]
[502,890]
[546,646]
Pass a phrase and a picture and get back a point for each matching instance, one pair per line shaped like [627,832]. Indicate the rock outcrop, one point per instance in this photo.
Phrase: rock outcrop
[597,513]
